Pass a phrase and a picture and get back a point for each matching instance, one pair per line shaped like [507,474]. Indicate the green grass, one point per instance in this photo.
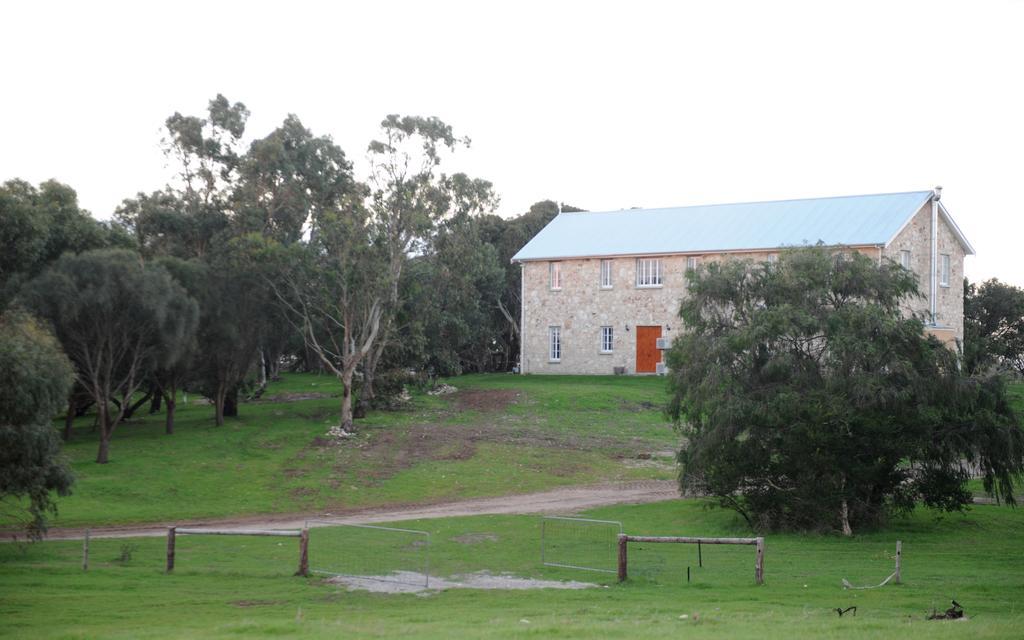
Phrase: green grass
[558,431]
[242,587]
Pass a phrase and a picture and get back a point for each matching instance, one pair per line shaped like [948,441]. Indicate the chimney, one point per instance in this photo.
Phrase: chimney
[938,193]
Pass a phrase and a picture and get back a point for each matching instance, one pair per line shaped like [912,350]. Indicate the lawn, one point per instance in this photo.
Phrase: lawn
[499,434]
[242,587]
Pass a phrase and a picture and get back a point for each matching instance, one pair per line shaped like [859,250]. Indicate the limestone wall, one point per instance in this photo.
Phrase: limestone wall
[581,307]
[916,237]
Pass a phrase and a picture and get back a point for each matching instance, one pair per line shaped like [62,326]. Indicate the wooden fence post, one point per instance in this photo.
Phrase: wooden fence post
[303,553]
[899,560]
[623,572]
[170,549]
[85,551]
[759,567]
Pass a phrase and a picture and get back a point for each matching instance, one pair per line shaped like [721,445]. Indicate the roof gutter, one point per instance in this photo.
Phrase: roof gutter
[703,252]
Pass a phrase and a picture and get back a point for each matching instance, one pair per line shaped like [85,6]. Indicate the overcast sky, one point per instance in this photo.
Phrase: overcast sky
[601,105]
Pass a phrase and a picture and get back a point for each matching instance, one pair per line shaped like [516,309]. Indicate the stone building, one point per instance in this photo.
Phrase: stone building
[601,290]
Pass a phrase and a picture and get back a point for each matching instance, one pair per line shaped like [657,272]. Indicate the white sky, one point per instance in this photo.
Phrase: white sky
[601,105]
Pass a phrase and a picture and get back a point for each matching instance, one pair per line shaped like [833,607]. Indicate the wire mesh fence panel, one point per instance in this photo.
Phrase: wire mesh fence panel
[681,564]
[369,552]
[579,543]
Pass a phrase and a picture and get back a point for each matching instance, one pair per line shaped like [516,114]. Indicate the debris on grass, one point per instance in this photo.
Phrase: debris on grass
[338,434]
[413,582]
[956,612]
[841,611]
[442,390]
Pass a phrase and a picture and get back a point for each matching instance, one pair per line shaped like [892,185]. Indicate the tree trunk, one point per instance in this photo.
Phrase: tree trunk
[263,368]
[170,395]
[275,367]
[368,395]
[154,404]
[346,401]
[69,420]
[169,424]
[130,408]
[103,417]
[844,515]
[231,403]
[218,405]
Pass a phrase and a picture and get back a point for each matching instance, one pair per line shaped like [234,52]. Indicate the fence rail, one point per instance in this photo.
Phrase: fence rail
[301,534]
[624,541]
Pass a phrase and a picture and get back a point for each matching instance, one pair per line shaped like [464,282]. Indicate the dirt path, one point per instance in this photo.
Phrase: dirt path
[566,500]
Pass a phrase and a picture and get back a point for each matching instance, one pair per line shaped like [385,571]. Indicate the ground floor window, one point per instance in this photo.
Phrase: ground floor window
[607,339]
[555,344]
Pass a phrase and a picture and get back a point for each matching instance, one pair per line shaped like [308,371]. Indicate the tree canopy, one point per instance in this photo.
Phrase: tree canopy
[993,326]
[35,379]
[807,400]
[118,319]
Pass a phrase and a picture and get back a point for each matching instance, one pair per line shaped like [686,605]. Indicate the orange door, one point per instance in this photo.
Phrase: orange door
[647,353]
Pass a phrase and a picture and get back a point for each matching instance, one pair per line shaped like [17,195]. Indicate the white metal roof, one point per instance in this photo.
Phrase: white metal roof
[844,220]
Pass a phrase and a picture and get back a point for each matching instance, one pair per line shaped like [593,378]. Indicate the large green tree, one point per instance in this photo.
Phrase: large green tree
[807,400]
[118,319]
[993,326]
[334,290]
[409,196]
[35,378]
[38,224]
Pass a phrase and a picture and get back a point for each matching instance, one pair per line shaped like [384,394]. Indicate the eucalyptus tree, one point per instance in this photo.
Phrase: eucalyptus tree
[409,195]
[118,319]
[993,326]
[185,218]
[35,378]
[809,401]
[38,224]
[334,290]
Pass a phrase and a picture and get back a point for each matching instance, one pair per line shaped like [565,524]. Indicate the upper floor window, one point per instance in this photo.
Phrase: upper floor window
[555,344]
[944,270]
[648,272]
[606,274]
[773,258]
[607,340]
[691,263]
[555,269]
[905,258]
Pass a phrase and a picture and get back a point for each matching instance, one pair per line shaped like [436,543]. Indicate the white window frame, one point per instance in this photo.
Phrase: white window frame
[773,258]
[555,343]
[648,273]
[945,267]
[905,258]
[607,340]
[555,275]
[691,263]
[606,274]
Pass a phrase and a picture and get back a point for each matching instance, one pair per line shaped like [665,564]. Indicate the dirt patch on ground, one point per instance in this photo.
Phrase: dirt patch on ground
[412,582]
[485,399]
[640,407]
[475,538]
[562,501]
[256,603]
[295,397]
[393,450]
